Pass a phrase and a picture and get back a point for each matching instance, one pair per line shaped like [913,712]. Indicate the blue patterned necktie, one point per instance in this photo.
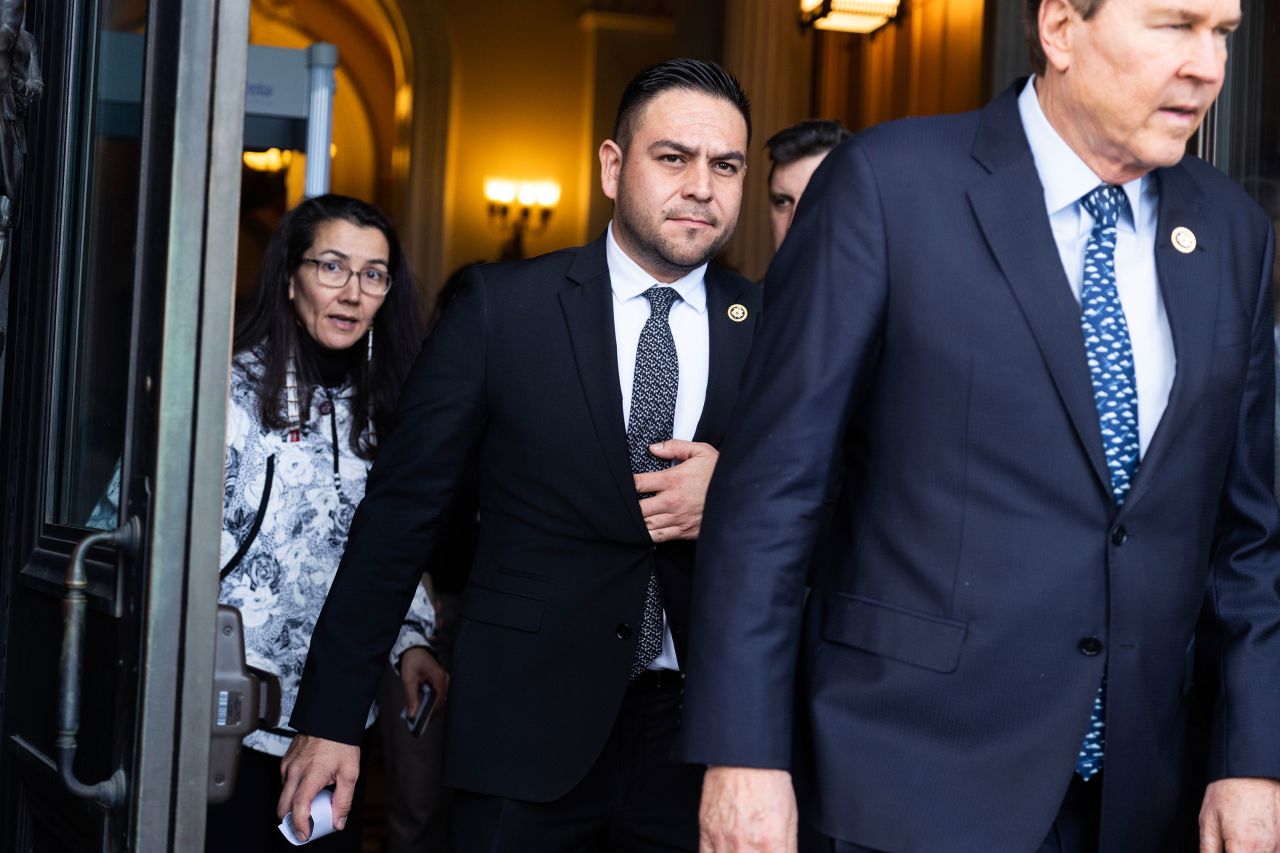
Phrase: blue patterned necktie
[651,420]
[1110,357]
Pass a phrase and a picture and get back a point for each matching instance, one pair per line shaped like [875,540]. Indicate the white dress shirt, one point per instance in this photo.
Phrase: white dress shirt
[1066,179]
[688,318]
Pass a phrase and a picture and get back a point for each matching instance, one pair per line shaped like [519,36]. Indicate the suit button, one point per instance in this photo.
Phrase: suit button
[623,631]
[1119,536]
[1090,646]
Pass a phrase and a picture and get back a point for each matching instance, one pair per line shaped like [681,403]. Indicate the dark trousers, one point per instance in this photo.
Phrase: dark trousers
[1074,830]
[247,822]
[634,798]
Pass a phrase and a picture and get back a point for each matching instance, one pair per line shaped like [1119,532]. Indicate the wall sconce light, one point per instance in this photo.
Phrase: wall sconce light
[847,16]
[271,160]
[523,206]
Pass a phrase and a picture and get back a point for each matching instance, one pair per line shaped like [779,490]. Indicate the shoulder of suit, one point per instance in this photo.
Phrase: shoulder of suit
[548,268]
[1226,197]
[909,137]
[748,292]
[911,156]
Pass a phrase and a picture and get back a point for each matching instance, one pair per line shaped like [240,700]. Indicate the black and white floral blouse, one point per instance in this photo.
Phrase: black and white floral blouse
[287,507]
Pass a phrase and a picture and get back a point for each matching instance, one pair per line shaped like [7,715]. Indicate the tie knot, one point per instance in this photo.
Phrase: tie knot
[1104,204]
[661,299]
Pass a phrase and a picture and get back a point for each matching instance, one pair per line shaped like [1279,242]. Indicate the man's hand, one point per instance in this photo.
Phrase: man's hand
[679,492]
[1241,816]
[747,810]
[310,765]
[416,666]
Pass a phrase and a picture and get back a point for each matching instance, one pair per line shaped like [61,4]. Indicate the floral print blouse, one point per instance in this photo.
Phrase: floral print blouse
[287,507]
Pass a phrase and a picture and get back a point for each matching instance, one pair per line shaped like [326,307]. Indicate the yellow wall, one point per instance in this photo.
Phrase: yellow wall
[926,61]
[516,111]
[370,68]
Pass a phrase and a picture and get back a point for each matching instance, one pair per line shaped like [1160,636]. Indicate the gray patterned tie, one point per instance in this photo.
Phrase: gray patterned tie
[652,419]
[1110,357]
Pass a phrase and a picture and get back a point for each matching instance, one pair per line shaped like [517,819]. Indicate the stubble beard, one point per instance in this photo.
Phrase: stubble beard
[663,252]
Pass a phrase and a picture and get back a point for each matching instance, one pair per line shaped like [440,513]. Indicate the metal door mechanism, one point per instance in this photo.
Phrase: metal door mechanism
[110,792]
[244,698]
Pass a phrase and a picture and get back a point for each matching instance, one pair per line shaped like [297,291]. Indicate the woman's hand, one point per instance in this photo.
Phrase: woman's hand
[417,665]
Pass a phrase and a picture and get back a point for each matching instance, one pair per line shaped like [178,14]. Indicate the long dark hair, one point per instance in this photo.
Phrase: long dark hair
[270,325]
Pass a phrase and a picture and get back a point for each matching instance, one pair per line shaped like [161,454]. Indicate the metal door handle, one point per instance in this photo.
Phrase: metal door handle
[244,699]
[110,792]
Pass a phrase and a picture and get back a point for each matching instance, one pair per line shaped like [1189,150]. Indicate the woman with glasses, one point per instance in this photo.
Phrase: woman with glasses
[314,382]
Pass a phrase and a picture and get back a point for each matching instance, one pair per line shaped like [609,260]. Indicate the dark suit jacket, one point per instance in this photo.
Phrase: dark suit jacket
[984,581]
[522,369]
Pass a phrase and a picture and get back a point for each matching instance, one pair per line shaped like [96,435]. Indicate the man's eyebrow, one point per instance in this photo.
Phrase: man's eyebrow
[1188,16]
[689,151]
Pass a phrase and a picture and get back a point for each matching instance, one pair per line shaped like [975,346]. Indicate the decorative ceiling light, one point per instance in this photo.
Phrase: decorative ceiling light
[847,16]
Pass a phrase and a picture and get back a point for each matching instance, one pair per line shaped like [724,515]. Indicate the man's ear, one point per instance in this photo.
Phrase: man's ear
[1058,21]
[610,167]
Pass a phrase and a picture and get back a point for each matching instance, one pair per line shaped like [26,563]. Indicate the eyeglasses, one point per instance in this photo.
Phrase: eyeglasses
[334,273]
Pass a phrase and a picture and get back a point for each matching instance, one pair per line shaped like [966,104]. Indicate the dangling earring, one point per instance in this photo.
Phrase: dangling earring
[368,389]
[291,400]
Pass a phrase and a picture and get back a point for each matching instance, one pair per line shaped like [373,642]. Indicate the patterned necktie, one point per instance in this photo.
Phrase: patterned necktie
[652,419]
[1110,357]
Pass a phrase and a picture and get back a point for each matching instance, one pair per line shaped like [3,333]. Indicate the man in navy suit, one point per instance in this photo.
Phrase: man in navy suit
[1043,336]
[572,380]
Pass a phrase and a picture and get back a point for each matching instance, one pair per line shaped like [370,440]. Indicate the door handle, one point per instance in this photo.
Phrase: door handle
[109,792]
[244,698]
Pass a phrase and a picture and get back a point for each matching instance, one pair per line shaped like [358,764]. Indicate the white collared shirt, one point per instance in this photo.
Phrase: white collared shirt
[1066,179]
[688,318]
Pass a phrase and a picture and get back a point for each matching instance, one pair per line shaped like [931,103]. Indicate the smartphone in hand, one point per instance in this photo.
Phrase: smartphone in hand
[426,705]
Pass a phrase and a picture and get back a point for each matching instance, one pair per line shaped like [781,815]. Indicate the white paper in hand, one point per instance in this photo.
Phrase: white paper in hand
[321,820]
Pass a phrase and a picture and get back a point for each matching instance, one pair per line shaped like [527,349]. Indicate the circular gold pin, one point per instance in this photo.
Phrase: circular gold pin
[1184,240]
[737,313]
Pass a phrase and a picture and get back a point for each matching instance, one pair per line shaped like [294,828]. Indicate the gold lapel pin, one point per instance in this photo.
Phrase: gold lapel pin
[1183,239]
[737,312]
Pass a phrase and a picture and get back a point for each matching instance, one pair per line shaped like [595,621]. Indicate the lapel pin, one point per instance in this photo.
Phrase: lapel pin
[1184,240]
[738,313]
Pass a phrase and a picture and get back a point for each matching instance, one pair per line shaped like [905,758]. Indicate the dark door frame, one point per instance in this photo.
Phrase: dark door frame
[188,204]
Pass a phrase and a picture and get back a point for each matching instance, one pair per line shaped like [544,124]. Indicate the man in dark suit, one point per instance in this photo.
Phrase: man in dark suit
[1046,335]
[795,152]
[576,377]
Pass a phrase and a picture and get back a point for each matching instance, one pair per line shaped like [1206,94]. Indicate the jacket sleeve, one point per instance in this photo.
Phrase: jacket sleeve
[418,625]
[825,295]
[1244,590]
[438,425]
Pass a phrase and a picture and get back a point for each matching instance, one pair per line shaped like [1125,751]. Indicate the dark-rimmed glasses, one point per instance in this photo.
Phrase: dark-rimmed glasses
[331,272]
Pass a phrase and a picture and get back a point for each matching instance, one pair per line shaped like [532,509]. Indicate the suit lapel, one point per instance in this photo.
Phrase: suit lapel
[1189,289]
[729,342]
[1009,206]
[588,312]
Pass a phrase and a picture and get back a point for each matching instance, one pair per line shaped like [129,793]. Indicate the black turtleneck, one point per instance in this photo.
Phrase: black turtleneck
[330,366]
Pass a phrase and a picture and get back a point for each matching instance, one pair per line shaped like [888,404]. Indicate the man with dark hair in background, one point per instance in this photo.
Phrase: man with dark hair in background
[1043,334]
[572,381]
[795,152]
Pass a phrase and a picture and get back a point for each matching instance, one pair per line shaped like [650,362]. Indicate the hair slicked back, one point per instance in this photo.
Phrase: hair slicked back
[811,136]
[693,75]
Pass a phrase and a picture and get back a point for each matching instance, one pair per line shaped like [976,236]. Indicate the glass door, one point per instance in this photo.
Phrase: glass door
[1244,136]
[119,327]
